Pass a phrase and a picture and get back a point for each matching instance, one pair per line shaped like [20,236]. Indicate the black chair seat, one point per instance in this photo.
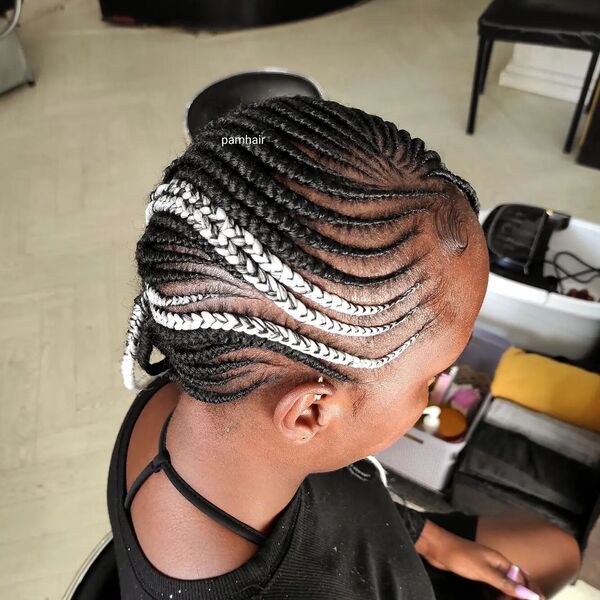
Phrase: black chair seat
[244,88]
[567,24]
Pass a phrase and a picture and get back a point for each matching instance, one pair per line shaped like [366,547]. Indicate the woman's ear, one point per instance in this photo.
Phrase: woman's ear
[305,410]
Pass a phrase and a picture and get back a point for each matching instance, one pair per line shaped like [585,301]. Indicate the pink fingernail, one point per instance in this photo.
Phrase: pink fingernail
[513,573]
[525,593]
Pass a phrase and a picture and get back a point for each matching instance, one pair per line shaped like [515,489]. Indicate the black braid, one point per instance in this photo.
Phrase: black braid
[195,358]
[329,149]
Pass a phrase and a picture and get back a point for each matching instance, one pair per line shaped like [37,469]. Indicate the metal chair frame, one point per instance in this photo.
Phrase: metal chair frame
[87,564]
[482,64]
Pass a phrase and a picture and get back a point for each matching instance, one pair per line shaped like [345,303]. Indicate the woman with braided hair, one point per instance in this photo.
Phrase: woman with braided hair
[303,293]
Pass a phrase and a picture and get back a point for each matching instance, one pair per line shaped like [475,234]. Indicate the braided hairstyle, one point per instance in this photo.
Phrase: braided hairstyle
[234,225]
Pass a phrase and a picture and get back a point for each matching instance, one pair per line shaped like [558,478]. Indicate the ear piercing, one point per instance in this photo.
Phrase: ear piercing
[319,396]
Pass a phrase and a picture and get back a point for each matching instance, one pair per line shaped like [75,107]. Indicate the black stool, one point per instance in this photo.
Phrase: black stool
[560,23]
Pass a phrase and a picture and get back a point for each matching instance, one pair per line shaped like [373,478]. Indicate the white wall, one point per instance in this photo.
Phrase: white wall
[554,72]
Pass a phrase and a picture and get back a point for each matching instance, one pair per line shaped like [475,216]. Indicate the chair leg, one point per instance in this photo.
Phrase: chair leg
[593,95]
[476,84]
[581,102]
[486,64]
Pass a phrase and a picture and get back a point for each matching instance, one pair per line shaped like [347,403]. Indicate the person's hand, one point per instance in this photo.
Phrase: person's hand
[523,578]
[449,552]
[519,575]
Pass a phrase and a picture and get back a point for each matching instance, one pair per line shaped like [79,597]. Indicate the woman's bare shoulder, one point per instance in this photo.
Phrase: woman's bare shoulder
[178,539]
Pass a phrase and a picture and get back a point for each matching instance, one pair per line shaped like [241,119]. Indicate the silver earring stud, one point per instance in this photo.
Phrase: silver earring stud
[319,396]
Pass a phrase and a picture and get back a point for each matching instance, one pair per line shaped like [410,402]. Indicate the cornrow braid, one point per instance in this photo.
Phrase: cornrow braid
[240,248]
[228,208]
[269,330]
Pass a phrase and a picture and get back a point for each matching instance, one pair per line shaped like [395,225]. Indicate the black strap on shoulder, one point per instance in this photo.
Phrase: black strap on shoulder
[155,465]
[163,461]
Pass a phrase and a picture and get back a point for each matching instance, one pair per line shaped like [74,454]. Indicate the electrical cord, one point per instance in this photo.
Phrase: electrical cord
[561,273]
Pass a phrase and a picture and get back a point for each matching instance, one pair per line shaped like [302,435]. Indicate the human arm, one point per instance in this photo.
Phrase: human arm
[470,560]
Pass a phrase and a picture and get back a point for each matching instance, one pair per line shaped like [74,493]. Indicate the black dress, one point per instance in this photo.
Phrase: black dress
[341,537]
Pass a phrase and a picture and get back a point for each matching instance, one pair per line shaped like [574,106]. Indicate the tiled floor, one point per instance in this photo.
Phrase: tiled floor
[581,591]
[81,150]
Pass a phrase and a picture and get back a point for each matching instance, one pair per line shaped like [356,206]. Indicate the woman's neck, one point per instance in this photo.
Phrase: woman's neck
[229,466]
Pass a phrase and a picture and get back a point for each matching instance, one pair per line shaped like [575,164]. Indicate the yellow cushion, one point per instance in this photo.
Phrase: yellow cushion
[562,391]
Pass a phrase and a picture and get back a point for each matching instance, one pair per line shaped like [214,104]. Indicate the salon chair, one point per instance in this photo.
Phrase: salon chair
[227,94]
[571,24]
[97,579]
[14,70]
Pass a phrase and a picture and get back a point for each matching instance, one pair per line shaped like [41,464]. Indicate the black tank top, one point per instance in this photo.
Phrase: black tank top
[341,537]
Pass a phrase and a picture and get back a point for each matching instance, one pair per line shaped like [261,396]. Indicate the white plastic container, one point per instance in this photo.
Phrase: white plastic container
[548,322]
[429,460]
